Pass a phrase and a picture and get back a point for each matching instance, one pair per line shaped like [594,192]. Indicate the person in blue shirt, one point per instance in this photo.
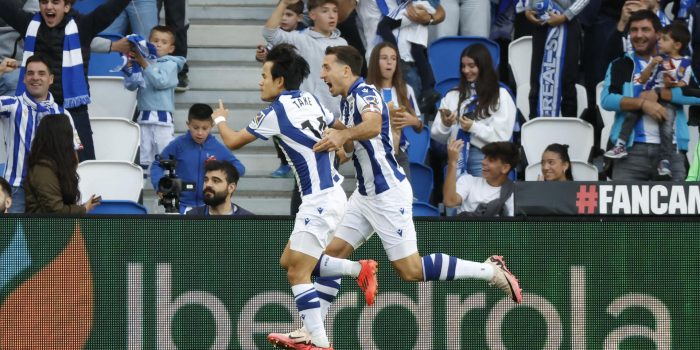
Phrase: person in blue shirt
[220,181]
[190,151]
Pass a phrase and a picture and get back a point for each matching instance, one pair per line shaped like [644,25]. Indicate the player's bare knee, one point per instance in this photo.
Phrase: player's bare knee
[408,273]
[339,249]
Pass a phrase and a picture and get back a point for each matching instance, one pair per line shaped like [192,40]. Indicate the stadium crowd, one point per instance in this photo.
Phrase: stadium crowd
[641,50]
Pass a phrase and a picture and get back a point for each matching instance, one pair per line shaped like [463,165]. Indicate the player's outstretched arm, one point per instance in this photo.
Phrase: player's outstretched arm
[232,139]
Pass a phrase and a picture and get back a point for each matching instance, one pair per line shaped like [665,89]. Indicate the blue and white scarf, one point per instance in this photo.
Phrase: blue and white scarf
[468,106]
[134,72]
[684,9]
[549,104]
[75,90]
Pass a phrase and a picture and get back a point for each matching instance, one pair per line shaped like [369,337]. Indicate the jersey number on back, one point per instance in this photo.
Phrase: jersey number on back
[317,132]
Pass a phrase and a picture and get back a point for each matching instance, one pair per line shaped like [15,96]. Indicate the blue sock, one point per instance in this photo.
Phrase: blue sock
[442,267]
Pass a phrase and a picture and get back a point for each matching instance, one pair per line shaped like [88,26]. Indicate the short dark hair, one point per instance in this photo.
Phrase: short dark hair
[297,7]
[5,187]
[39,58]
[503,151]
[288,64]
[349,56]
[200,111]
[678,31]
[228,169]
[642,15]
[312,4]
[163,29]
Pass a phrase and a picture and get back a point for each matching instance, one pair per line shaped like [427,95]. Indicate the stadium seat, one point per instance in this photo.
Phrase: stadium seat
[102,64]
[607,116]
[540,132]
[444,54]
[418,144]
[421,182]
[424,209]
[119,207]
[519,58]
[115,139]
[522,100]
[110,99]
[580,170]
[113,180]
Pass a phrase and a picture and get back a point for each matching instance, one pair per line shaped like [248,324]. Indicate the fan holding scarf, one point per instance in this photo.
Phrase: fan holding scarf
[556,44]
[64,36]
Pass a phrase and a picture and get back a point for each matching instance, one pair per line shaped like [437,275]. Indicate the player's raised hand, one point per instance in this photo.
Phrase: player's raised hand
[221,111]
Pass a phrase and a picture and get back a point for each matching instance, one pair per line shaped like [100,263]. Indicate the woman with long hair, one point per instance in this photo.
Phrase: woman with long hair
[51,184]
[386,77]
[556,165]
[478,111]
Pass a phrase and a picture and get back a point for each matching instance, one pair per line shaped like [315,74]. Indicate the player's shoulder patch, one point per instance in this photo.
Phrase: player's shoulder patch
[261,116]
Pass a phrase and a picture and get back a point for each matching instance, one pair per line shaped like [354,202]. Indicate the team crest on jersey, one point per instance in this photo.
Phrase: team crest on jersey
[258,118]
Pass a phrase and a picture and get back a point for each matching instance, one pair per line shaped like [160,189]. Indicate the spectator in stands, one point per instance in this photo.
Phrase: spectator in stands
[694,172]
[311,43]
[291,21]
[411,39]
[52,178]
[477,112]
[622,93]
[220,181]
[466,18]
[5,196]
[53,32]
[553,78]
[11,46]
[156,93]
[619,41]
[140,16]
[669,69]
[21,116]
[556,165]
[190,151]
[398,95]
[176,18]
[490,195]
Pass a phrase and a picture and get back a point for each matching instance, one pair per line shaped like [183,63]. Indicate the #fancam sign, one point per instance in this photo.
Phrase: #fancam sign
[591,198]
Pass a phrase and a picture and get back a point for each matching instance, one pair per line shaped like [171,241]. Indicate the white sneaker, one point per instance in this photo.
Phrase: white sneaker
[290,340]
[504,279]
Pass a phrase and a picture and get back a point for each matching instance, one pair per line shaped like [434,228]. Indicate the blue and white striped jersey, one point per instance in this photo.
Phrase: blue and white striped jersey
[298,120]
[375,165]
[19,117]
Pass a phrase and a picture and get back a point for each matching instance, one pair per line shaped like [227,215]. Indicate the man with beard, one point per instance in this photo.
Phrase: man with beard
[220,181]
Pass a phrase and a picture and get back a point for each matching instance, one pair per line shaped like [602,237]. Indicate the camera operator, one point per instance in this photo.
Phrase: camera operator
[220,181]
[190,151]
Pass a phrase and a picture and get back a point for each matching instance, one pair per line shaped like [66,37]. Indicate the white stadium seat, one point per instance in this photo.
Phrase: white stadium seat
[115,139]
[539,133]
[581,171]
[519,57]
[607,116]
[110,99]
[113,180]
[522,100]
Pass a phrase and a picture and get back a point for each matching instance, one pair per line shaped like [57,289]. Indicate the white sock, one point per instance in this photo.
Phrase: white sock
[472,269]
[327,289]
[442,267]
[309,308]
[332,267]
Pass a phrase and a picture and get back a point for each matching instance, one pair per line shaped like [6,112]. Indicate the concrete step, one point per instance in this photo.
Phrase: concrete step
[220,35]
[229,12]
[231,98]
[197,55]
[225,78]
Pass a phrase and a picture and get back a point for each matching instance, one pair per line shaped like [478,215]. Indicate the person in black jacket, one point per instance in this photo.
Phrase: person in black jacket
[220,181]
[48,40]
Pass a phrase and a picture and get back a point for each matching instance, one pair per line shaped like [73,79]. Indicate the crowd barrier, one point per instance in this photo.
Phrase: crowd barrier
[160,282]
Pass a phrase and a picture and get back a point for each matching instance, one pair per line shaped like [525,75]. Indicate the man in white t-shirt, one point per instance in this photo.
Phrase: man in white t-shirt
[481,196]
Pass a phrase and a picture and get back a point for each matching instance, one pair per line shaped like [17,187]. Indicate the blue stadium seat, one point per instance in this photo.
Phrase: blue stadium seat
[102,63]
[421,181]
[424,209]
[418,144]
[119,207]
[444,53]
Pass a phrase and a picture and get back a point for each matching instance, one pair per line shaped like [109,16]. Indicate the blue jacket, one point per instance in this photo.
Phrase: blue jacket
[190,158]
[161,80]
[618,84]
